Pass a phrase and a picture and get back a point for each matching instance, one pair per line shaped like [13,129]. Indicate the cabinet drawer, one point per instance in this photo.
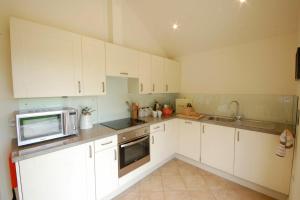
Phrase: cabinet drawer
[106,143]
[157,127]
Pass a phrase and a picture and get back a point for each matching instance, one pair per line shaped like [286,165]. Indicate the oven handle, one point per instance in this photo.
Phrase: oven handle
[135,142]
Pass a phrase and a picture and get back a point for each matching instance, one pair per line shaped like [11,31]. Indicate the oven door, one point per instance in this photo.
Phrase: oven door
[133,154]
[32,128]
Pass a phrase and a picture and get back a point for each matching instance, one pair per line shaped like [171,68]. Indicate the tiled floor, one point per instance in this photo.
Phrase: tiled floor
[178,180]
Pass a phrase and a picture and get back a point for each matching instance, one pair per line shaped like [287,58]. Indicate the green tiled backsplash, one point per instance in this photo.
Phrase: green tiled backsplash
[109,107]
[274,108]
[113,105]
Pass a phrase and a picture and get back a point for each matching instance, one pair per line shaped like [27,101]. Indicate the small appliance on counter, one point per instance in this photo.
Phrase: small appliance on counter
[40,125]
[167,110]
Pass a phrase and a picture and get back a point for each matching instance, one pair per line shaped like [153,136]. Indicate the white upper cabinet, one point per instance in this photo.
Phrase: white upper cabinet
[121,61]
[172,76]
[157,74]
[189,139]
[145,81]
[46,61]
[61,175]
[217,147]
[93,67]
[256,161]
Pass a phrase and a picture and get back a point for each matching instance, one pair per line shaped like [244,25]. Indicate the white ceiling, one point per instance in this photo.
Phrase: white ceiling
[204,24]
[87,17]
[208,24]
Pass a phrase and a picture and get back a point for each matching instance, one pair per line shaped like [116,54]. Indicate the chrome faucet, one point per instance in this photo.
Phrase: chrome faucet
[237,115]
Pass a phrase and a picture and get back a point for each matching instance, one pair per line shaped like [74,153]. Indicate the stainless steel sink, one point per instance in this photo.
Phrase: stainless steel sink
[221,119]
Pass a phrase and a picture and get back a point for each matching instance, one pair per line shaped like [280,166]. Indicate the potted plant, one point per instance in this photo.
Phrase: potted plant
[86,118]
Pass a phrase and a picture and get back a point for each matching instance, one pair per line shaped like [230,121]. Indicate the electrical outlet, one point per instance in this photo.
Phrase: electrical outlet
[12,123]
[287,99]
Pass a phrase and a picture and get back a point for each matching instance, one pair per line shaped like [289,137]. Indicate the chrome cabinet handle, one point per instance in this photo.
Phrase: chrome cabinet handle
[79,87]
[164,127]
[142,88]
[153,87]
[238,136]
[103,87]
[167,88]
[188,122]
[152,139]
[124,73]
[106,143]
[157,127]
[115,151]
[203,129]
[90,151]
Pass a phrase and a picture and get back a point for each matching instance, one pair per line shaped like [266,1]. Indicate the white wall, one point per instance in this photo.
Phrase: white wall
[259,67]
[81,17]
[295,191]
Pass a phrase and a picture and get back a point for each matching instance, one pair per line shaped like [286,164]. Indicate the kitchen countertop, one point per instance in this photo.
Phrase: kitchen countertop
[100,132]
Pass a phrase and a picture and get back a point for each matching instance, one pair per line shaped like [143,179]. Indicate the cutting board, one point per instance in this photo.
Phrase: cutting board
[181,103]
[190,116]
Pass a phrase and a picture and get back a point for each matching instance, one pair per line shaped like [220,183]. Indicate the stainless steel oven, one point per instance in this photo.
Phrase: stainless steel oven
[134,149]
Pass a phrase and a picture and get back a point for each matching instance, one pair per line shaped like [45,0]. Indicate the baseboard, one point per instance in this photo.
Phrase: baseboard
[235,179]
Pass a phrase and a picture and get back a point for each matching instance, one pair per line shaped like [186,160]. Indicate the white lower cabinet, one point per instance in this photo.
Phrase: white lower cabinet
[106,170]
[255,160]
[157,143]
[217,147]
[189,139]
[61,175]
[171,134]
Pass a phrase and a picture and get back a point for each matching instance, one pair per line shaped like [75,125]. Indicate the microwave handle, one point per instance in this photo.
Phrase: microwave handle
[65,124]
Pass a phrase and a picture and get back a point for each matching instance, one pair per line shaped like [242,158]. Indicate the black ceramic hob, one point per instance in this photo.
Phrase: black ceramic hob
[123,123]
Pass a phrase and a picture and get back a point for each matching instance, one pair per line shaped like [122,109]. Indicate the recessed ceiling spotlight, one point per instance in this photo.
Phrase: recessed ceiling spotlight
[175,26]
[243,1]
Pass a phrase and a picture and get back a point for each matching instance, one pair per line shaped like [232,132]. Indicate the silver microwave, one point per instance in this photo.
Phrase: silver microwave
[45,124]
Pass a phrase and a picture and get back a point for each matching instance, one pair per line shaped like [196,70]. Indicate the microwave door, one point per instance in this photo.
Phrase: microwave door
[38,128]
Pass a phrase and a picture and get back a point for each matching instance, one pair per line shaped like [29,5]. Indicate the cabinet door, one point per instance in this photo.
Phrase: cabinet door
[46,62]
[255,160]
[145,82]
[157,73]
[172,76]
[106,167]
[65,174]
[189,139]
[217,147]
[157,149]
[171,134]
[121,61]
[93,66]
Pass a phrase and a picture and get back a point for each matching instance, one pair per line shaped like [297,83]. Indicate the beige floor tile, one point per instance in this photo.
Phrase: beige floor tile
[179,180]
[169,169]
[173,183]
[189,170]
[215,182]
[226,194]
[177,195]
[247,194]
[152,196]
[201,195]
[196,182]
[151,184]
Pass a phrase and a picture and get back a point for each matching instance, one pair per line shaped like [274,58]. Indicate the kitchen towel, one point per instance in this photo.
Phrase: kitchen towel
[286,142]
